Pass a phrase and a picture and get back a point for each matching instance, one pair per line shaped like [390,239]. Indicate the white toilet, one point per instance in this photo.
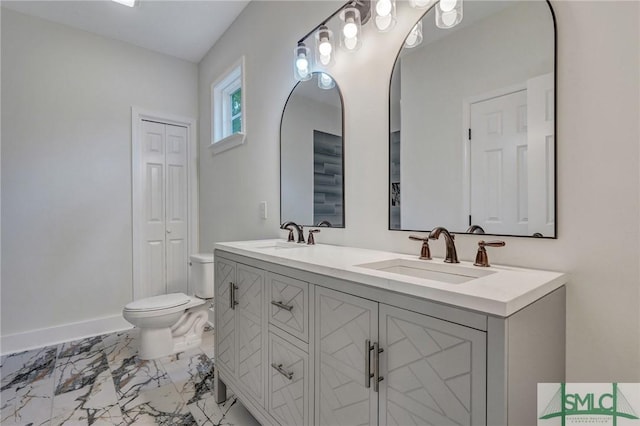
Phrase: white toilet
[172,323]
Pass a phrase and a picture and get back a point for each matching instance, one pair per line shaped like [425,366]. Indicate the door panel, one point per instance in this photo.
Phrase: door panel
[176,209]
[343,324]
[434,371]
[250,298]
[499,190]
[153,268]
[540,96]
[225,274]
[165,245]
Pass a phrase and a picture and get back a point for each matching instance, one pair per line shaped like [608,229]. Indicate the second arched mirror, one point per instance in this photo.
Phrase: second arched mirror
[472,122]
[312,154]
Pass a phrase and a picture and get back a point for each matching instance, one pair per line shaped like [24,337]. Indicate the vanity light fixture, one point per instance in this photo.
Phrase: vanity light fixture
[419,4]
[325,81]
[351,29]
[324,46]
[301,65]
[415,36]
[385,14]
[448,13]
[130,3]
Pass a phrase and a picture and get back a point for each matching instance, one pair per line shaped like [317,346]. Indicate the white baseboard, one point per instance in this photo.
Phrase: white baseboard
[63,333]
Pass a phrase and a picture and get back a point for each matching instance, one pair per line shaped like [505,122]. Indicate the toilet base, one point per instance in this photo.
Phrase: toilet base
[155,343]
[185,334]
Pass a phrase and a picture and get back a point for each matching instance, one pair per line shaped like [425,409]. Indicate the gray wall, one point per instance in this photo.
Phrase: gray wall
[598,162]
[66,166]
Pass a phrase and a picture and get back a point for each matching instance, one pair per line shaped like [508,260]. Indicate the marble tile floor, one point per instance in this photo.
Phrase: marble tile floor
[100,381]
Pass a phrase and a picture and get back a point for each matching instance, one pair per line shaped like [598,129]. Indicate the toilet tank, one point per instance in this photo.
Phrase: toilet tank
[201,282]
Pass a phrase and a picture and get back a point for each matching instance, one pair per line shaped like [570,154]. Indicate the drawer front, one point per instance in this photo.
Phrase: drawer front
[289,401]
[289,305]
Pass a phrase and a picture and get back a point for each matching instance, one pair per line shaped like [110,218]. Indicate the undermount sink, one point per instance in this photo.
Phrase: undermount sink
[444,272]
[278,245]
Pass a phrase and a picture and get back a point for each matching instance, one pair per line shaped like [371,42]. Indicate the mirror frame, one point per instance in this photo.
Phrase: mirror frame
[555,127]
[344,203]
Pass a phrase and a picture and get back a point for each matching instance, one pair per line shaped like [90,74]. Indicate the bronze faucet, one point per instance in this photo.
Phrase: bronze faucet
[475,229]
[451,255]
[298,228]
[324,223]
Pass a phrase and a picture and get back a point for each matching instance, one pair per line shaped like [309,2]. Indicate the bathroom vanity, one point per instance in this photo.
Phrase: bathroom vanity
[331,335]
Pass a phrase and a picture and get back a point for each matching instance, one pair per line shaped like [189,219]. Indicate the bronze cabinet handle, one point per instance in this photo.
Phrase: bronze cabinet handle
[282,305]
[279,369]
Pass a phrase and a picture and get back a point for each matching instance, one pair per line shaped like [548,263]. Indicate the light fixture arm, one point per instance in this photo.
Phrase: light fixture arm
[364,6]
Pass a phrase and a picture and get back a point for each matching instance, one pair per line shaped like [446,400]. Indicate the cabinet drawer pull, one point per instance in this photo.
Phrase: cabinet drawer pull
[282,305]
[279,369]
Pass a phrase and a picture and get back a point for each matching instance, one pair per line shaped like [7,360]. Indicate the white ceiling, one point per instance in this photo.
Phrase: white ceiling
[182,28]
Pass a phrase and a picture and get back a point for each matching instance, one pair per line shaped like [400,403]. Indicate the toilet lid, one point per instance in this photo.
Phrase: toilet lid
[163,301]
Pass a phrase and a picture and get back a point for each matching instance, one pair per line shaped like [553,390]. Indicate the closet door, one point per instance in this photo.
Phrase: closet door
[164,231]
[176,224]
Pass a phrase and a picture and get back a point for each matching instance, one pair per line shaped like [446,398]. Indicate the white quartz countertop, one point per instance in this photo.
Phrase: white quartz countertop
[502,292]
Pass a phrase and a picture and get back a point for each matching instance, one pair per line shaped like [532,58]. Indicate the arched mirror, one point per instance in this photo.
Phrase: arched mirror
[312,154]
[472,123]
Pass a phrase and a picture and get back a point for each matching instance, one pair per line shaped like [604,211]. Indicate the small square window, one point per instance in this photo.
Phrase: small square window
[227,108]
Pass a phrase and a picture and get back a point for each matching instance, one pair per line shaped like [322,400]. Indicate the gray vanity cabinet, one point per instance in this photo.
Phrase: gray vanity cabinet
[303,348]
[240,319]
[431,371]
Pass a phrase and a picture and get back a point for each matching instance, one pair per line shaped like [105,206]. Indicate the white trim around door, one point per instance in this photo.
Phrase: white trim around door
[137,199]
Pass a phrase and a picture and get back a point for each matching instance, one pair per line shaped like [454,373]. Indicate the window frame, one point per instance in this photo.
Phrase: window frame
[222,89]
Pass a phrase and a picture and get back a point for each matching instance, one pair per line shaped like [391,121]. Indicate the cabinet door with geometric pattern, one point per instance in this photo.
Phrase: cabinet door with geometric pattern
[225,336]
[250,313]
[343,323]
[434,371]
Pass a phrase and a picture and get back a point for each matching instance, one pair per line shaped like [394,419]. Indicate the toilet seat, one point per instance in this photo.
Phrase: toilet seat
[156,303]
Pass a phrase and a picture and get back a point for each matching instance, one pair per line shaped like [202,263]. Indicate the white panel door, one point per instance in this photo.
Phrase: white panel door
[164,231]
[343,324]
[434,371]
[541,117]
[499,175]
[153,268]
[176,209]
